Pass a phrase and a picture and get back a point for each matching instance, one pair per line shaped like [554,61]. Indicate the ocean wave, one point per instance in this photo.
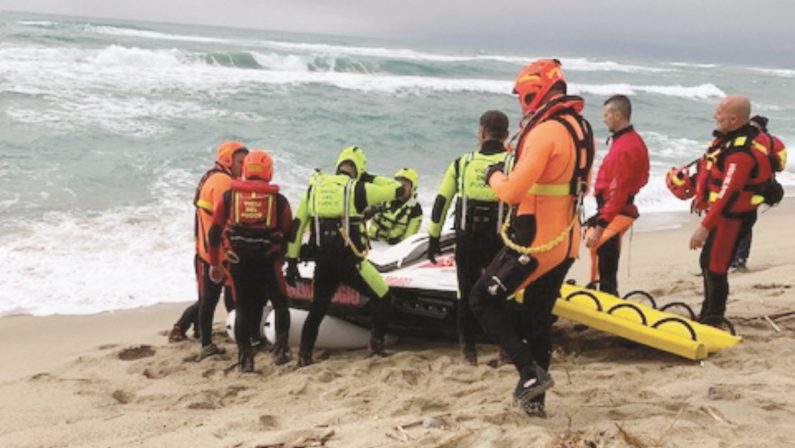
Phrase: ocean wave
[290,70]
[322,49]
[693,65]
[146,34]
[780,72]
[702,91]
[38,23]
[70,263]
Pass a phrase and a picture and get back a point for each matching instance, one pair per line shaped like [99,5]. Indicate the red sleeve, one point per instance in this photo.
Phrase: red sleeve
[220,216]
[738,168]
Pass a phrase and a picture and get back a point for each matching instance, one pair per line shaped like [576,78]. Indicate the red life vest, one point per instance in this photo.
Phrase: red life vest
[253,204]
[712,172]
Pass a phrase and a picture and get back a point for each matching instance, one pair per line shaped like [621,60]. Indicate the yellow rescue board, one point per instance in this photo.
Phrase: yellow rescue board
[658,329]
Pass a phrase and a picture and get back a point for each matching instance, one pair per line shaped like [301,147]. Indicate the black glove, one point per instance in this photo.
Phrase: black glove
[366,177]
[499,166]
[433,248]
[591,222]
[292,275]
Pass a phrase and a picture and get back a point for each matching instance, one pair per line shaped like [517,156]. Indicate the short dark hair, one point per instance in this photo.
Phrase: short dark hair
[494,124]
[621,104]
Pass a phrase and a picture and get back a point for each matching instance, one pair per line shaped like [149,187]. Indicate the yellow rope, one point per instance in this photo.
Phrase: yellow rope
[541,248]
[347,239]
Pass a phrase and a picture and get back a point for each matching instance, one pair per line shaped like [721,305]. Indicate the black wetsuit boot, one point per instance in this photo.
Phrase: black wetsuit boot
[608,254]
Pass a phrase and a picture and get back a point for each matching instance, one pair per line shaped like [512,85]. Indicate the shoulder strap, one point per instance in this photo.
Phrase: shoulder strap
[583,147]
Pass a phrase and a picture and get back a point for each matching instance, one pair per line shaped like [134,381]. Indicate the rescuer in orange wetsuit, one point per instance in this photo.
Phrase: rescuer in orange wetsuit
[554,155]
[228,165]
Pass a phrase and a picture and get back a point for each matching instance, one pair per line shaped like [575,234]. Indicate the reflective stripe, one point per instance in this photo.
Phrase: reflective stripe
[755,199]
[550,190]
[205,205]
[759,147]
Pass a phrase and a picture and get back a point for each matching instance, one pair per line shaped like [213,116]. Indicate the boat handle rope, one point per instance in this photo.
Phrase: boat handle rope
[643,294]
[680,305]
[631,306]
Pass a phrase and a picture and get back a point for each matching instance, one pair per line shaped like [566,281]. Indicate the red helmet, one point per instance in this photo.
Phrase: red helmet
[536,80]
[226,150]
[258,165]
[678,180]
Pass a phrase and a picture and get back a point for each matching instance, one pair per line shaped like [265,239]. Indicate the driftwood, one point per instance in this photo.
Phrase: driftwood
[772,324]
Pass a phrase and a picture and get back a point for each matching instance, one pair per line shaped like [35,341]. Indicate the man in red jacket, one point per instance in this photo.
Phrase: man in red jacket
[624,170]
[253,219]
[731,177]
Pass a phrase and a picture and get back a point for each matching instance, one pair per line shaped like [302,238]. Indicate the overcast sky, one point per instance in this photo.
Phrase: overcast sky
[757,31]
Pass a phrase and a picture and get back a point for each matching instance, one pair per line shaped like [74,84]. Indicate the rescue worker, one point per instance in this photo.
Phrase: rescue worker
[478,216]
[397,220]
[333,208]
[732,179]
[624,170]
[228,165]
[554,154]
[253,219]
[779,161]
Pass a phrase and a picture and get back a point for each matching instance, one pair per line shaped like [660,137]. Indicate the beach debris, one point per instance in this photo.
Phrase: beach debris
[714,414]
[772,324]
[630,439]
[782,315]
[772,286]
[431,422]
[136,352]
[318,441]
[661,438]
[453,439]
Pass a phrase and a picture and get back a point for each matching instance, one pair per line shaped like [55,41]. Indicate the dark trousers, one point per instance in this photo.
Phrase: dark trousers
[716,254]
[330,271]
[257,281]
[209,293]
[608,254]
[531,343]
[472,254]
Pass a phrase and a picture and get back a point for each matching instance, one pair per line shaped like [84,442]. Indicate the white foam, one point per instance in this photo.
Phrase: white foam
[146,34]
[702,91]
[780,72]
[126,257]
[39,23]
[693,65]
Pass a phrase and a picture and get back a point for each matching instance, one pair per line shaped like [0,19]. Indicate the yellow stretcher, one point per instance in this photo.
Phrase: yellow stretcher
[643,324]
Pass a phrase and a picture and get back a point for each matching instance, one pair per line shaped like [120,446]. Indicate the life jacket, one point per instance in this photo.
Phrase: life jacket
[392,222]
[331,206]
[558,110]
[478,210]
[712,172]
[253,217]
[204,203]
[775,148]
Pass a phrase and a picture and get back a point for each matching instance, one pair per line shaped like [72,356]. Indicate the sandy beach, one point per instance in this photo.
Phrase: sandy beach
[112,380]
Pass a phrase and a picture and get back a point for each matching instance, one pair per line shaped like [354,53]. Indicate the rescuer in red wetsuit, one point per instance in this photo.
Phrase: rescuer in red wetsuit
[253,220]
[731,179]
[624,170]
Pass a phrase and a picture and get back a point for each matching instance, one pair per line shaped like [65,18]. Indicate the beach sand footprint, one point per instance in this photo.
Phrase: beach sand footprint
[136,352]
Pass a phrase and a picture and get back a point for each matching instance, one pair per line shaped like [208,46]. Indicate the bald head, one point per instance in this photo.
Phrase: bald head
[732,113]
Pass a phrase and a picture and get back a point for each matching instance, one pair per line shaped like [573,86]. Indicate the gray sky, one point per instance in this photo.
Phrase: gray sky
[758,31]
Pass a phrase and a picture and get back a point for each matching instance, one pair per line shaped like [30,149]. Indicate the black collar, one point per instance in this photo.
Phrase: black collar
[619,133]
[492,147]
